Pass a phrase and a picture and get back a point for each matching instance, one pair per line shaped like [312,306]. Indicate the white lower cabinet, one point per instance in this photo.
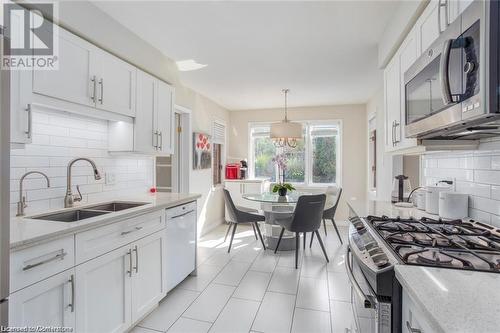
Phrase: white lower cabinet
[117,289]
[47,303]
[149,271]
[103,293]
[413,320]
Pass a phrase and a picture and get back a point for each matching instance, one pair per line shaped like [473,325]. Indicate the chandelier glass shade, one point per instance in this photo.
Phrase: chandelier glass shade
[286,133]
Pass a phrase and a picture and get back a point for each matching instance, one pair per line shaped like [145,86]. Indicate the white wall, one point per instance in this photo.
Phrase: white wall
[354,140]
[476,173]
[59,137]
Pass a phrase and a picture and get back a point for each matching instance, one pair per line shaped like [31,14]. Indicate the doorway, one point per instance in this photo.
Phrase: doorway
[172,172]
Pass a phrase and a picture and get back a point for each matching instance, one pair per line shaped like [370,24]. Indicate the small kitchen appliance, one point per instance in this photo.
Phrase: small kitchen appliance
[233,171]
[401,188]
[453,205]
[243,169]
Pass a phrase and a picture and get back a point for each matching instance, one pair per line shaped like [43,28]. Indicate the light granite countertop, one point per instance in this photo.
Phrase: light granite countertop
[364,208]
[25,232]
[454,300]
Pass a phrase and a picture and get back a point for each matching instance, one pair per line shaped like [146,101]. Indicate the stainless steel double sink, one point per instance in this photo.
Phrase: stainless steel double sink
[88,212]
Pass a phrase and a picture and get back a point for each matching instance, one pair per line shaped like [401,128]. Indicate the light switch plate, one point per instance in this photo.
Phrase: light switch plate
[110,178]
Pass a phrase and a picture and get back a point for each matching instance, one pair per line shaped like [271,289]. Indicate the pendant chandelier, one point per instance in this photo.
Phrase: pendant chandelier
[286,133]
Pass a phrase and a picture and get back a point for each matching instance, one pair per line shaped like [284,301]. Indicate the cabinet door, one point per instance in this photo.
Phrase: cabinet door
[408,54]
[115,84]
[428,25]
[103,293]
[149,271]
[73,81]
[20,95]
[164,117]
[46,303]
[392,95]
[145,137]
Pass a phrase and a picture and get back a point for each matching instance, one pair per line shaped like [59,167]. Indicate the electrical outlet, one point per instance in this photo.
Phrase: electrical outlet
[110,178]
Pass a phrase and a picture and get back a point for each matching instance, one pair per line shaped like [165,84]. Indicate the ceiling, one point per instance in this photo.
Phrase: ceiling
[325,52]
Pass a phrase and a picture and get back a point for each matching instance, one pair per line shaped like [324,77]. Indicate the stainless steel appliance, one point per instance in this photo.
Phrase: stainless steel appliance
[401,188]
[376,244]
[4,185]
[451,92]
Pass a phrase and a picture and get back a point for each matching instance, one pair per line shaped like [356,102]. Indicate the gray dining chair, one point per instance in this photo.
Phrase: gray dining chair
[333,194]
[238,216]
[306,218]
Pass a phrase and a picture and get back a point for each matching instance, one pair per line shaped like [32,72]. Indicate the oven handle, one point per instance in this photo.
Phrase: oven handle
[367,299]
[443,72]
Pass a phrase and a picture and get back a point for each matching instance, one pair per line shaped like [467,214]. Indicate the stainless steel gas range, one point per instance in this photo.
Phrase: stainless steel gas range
[376,244]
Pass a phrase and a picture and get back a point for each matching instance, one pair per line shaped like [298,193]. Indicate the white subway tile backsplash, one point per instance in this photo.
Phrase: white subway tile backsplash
[482,162]
[487,177]
[495,162]
[481,190]
[495,220]
[58,138]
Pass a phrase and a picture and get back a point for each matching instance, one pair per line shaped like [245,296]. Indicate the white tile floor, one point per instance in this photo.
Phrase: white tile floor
[251,290]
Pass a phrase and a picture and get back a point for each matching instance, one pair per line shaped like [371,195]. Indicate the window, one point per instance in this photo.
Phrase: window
[315,161]
[219,140]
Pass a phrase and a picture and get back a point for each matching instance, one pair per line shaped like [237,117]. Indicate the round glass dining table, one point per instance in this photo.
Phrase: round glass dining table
[277,207]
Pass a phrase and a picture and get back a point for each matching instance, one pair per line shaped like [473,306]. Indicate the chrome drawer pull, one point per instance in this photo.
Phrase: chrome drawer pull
[130,231]
[411,329]
[72,282]
[129,272]
[367,299]
[54,258]
[136,259]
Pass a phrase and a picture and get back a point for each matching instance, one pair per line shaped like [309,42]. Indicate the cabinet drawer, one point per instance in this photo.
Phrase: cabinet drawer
[96,242]
[38,262]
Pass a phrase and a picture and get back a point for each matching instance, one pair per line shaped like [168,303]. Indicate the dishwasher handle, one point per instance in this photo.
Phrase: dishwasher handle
[181,215]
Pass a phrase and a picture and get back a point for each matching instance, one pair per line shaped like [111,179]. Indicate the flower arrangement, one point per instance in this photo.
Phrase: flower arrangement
[281,187]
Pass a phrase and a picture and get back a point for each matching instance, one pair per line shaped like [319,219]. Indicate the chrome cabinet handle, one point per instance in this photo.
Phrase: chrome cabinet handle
[411,329]
[129,272]
[72,283]
[443,72]
[93,79]
[136,259]
[101,83]
[30,121]
[46,261]
[368,301]
[393,132]
[131,231]
[160,133]
[396,125]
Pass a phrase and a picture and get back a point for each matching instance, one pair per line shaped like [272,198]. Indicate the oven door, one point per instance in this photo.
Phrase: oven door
[370,315]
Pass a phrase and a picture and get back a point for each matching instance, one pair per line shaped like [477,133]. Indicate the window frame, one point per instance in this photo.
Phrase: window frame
[308,178]
[223,152]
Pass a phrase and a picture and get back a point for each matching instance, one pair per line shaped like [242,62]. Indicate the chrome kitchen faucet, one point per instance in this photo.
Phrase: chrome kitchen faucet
[70,199]
[22,199]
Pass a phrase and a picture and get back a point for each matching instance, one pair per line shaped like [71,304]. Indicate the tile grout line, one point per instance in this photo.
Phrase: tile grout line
[266,290]
[235,290]
[201,292]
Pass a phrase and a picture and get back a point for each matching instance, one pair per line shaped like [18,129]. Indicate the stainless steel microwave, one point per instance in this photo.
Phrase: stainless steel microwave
[452,90]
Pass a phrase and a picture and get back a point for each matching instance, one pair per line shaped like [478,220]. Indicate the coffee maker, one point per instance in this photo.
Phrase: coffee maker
[401,188]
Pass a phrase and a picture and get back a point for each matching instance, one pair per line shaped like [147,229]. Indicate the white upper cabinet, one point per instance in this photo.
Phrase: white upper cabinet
[428,25]
[392,103]
[152,130]
[115,86]
[164,117]
[72,82]
[145,133]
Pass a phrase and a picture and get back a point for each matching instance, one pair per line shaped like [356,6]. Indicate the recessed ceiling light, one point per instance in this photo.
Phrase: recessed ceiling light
[189,65]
